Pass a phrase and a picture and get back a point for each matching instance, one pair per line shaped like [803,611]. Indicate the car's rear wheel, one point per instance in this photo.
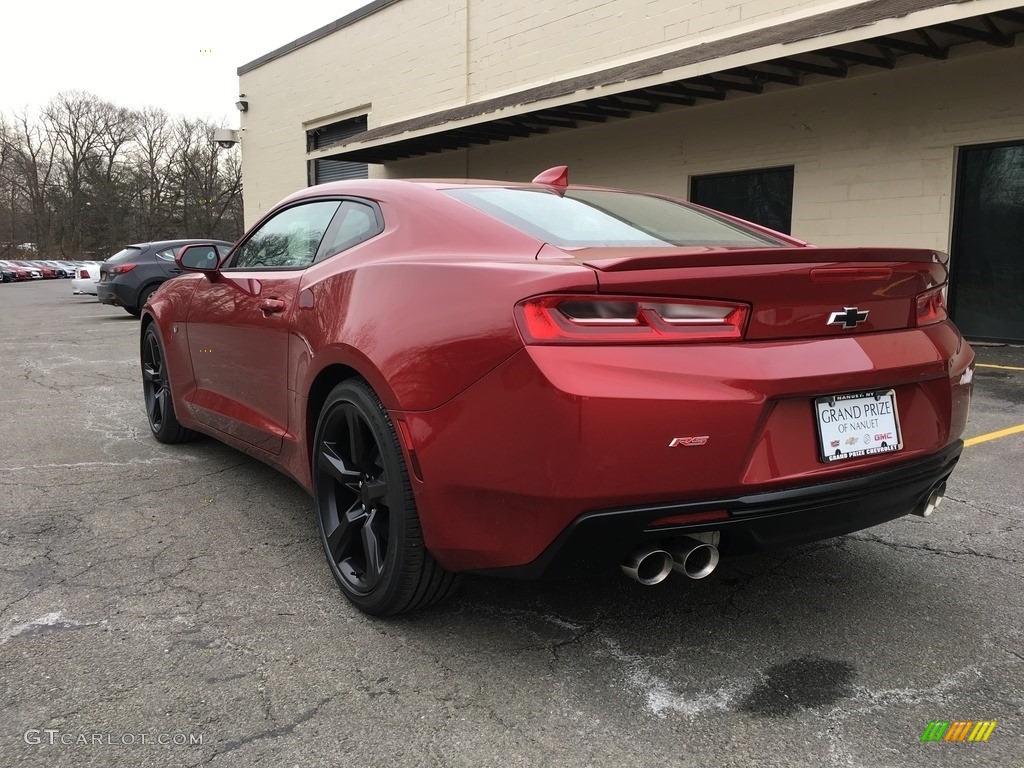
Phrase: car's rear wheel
[143,298]
[367,515]
[156,390]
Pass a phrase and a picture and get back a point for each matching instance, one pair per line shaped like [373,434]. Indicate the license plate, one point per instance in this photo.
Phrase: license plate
[859,424]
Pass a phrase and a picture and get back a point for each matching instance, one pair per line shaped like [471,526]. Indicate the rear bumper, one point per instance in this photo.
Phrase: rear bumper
[113,294]
[600,540]
[83,285]
[502,470]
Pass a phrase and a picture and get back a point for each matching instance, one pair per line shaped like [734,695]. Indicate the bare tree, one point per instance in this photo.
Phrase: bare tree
[88,176]
[28,170]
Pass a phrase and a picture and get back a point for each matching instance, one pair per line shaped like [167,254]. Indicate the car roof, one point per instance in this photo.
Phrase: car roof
[415,189]
[171,243]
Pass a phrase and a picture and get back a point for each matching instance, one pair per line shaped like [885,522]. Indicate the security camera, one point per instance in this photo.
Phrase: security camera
[226,138]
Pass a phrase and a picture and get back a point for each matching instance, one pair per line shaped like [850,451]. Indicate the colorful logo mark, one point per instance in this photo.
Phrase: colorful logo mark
[958,730]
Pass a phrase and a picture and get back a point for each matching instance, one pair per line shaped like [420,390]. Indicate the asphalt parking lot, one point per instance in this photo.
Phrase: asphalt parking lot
[156,593]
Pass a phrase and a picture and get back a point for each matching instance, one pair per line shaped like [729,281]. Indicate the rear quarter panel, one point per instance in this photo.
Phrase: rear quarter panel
[419,331]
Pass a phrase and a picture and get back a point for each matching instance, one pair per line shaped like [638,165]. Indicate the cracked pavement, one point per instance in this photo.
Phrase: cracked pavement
[148,589]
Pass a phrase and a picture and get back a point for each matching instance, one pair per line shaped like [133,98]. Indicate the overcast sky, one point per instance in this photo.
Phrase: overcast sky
[180,55]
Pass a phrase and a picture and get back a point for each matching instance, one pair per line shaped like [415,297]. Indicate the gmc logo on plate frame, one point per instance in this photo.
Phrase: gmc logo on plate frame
[675,442]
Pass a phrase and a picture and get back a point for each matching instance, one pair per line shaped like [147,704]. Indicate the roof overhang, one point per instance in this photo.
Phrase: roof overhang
[877,34]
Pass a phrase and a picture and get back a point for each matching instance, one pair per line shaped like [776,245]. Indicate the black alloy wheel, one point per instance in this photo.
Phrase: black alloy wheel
[156,392]
[369,526]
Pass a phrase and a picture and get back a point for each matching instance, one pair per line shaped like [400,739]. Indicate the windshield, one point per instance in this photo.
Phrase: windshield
[596,218]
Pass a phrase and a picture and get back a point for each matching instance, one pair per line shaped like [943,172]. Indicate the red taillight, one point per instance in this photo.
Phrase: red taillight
[84,274]
[621,319]
[931,307]
[120,269]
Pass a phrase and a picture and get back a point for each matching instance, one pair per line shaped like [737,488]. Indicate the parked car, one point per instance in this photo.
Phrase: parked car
[48,272]
[23,270]
[9,274]
[132,275]
[87,275]
[540,380]
[62,270]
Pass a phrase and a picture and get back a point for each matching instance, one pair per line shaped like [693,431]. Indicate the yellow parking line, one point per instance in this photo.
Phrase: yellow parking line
[1004,367]
[994,435]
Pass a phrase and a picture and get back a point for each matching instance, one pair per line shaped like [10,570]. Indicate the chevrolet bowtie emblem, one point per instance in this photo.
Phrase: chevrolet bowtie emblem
[850,317]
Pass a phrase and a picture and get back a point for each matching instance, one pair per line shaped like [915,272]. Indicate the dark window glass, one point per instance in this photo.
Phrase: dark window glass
[764,197]
[591,218]
[987,286]
[355,223]
[290,239]
[335,133]
[167,254]
[127,253]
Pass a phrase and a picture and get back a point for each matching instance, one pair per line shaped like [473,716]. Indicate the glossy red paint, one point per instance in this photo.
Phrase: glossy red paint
[509,442]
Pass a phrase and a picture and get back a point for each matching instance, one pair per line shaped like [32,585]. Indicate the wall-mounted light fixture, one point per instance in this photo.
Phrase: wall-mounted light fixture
[243,106]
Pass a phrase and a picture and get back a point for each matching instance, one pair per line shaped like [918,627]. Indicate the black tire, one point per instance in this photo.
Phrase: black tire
[156,393]
[369,527]
[144,295]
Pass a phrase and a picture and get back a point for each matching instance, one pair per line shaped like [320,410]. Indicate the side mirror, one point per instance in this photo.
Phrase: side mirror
[199,258]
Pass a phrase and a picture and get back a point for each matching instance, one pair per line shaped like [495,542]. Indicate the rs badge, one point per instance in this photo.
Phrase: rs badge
[675,442]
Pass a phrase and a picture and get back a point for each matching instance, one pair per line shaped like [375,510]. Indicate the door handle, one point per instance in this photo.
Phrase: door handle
[271,306]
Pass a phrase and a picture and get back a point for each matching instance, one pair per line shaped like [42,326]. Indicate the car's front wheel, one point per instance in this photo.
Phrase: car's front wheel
[156,391]
[369,526]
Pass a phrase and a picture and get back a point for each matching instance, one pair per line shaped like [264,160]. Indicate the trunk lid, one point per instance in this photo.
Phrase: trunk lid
[793,291]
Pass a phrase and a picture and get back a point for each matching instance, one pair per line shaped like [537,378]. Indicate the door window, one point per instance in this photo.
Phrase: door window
[289,240]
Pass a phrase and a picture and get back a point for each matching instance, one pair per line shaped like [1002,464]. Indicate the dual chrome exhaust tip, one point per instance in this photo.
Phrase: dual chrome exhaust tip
[697,559]
[935,497]
[651,565]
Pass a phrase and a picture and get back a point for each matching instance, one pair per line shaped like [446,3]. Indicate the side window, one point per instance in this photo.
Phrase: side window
[354,223]
[289,239]
[167,254]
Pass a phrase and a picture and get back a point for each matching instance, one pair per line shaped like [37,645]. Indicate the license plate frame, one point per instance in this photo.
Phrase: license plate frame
[864,424]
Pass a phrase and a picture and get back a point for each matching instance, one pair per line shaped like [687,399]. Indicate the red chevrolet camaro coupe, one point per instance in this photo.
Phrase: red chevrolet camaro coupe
[539,379]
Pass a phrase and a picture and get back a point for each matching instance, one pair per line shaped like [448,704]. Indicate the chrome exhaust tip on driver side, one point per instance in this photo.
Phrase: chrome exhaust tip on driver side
[647,565]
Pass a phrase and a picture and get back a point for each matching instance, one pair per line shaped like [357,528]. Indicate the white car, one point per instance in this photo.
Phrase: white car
[87,274]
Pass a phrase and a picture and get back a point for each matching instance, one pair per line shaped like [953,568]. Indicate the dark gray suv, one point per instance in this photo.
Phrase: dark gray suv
[129,277]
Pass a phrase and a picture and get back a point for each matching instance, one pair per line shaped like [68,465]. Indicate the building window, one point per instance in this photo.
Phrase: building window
[324,169]
[763,196]
[987,280]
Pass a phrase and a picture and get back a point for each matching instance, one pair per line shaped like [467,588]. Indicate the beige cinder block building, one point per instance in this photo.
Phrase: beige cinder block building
[881,122]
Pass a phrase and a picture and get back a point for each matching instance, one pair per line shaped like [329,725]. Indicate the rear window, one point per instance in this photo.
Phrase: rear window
[595,218]
[124,255]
